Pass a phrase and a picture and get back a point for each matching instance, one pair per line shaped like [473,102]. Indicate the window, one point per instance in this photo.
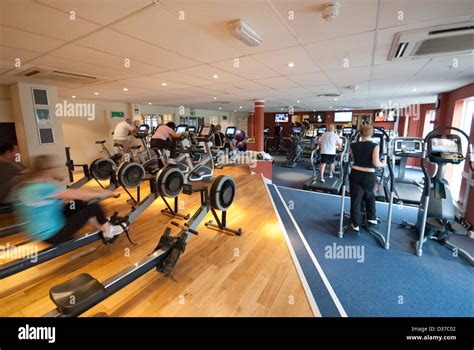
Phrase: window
[465,125]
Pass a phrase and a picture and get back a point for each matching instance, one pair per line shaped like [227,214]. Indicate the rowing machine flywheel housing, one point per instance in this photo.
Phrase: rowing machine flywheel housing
[222,192]
[131,175]
[102,169]
[170,182]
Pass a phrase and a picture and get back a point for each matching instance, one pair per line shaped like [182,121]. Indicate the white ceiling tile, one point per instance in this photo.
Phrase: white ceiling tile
[246,67]
[355,16]
[186,38]
[110,41]
[349,51]
[309,79]
[102,59]
[43,20]
[207,72]
[403,12]
[213,19]
[20,39]
[348,75]
[278,60]
[103,11]
[277,83]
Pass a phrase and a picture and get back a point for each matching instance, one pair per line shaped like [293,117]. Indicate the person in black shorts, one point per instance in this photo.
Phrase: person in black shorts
[362,179]
[328,143]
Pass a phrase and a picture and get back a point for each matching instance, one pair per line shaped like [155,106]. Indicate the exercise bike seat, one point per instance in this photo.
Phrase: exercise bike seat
[100,142]
[135,147]
[118,145]
[71,295]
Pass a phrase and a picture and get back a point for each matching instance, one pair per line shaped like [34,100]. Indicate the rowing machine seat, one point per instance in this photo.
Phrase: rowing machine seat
[71,295]
[100,142]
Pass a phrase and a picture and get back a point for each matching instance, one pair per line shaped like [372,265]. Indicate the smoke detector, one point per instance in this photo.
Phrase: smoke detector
[330,11]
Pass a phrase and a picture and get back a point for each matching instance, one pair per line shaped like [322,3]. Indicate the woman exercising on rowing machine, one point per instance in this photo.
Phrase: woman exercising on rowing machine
[362,178]
[40,203]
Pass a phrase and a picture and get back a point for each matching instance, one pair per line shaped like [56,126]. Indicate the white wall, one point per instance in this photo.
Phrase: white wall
[80,133]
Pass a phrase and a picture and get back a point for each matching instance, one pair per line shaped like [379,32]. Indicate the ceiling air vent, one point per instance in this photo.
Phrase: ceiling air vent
[450,39]
[56,75]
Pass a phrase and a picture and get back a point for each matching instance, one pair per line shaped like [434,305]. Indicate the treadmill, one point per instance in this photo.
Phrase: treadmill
[408,191]
[333,185]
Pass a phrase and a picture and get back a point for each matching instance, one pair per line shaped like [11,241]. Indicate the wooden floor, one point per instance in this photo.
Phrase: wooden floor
[218,275]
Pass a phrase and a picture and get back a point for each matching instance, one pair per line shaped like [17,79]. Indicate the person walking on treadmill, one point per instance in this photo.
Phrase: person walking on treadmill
[165,138]
[328,145]
[362,178]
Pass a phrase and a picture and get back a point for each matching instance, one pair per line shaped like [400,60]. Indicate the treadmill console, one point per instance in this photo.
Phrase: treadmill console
[311,133]
[296,130]
[192,129]
[143,130]
[408,147]
[445,149]
[206,133]
[321,131]
[181,128]
[230,131]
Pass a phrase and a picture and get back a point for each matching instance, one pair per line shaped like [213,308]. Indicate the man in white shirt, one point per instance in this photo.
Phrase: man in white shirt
[328,145]
[122,132]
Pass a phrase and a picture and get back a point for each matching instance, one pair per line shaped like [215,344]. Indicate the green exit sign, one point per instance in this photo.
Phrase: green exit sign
[117,114]
[224,117]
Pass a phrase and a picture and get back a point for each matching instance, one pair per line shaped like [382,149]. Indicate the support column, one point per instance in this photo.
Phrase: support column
[259,124]
[251,124]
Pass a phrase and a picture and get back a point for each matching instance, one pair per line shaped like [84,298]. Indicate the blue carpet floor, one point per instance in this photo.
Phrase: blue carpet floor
[377,282]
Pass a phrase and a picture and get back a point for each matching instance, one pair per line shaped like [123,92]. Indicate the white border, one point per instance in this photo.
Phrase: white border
[307,289]
[334,297]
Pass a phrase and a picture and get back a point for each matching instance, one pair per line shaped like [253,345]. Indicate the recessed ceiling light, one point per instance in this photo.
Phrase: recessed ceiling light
[215,76]
[73,96]
[281,109]
[149,103]
[291,64]
[335,99]
[414,89]
[220,107]
[125,89]
[314,110]
[298,101]
[215,98]
[240,107]
[96,93]
[330,107]
[164,84]
[235,110]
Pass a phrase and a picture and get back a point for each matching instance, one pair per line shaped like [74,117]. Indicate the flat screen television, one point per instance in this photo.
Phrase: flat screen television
[282,118]
[342,117]
[318,117]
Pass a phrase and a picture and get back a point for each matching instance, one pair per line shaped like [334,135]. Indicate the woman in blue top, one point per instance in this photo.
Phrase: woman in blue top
[362,178]
[40,203]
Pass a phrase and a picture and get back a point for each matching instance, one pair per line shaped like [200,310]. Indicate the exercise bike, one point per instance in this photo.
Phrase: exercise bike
[437,213]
